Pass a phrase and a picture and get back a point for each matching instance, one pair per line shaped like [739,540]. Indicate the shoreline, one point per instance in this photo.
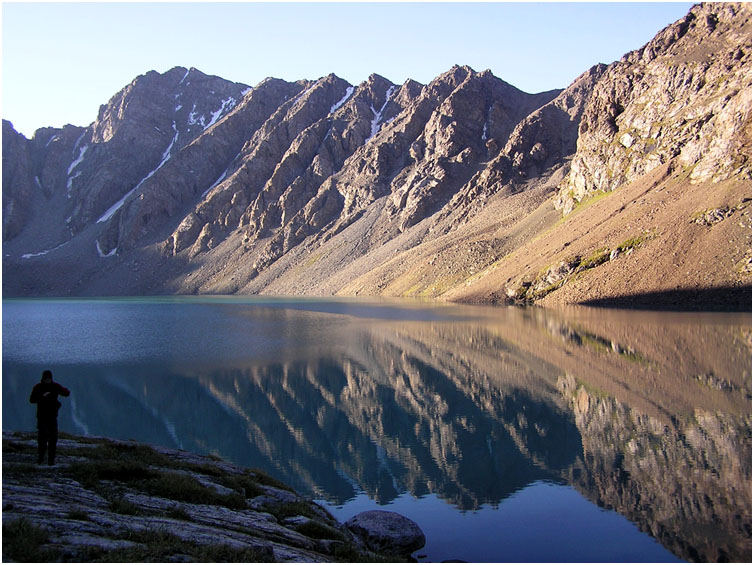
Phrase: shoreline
[126,501]
[734,299]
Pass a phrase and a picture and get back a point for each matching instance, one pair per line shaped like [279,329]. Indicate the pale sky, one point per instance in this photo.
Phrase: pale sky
[61,61]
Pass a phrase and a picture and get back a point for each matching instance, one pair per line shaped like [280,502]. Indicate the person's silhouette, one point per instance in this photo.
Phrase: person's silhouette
[45,396]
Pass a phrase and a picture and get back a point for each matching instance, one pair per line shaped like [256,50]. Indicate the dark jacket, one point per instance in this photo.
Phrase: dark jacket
[45,396]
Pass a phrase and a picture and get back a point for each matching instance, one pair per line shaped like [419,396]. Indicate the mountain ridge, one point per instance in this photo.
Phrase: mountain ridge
[188,184]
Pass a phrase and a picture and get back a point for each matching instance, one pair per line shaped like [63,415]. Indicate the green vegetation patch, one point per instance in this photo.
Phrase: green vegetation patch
[435,287]
[78,515]
[318,530]
[143,468]
[312,259]
[283,510]
[19,470]
[243,484]
[581,205]
[123,506]
[712,216]
[184,488]
[178,513]
[24,541]
[126,452]
[264,479]
[158,482]
[552,277]
[90,474]
[632,243]
[601,255]
[162,546]
[10,446]
[84,439]
[124,470]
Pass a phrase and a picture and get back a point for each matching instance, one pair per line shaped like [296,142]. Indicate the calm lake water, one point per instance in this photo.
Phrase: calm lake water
[507,434]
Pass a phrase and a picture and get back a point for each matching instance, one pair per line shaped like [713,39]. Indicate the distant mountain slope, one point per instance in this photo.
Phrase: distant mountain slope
[192,184]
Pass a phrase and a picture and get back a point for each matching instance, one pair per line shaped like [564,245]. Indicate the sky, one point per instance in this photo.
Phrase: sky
[61,61]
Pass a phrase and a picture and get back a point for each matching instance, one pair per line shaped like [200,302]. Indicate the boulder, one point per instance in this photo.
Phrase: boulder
[387,532]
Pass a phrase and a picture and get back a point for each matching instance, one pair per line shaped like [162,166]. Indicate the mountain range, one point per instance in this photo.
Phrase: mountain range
[635,180]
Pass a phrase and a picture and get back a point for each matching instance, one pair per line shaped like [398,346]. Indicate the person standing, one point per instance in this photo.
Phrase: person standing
[45,396]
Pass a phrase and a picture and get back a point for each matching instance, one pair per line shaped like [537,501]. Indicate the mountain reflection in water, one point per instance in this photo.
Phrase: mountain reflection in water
[646,414]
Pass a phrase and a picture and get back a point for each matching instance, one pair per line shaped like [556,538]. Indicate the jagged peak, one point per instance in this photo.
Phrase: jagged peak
[454,76]
[411,83]
[702,21]
[178,74]
[10,130]
[332,78]
[268,81]
[324,82]
[376,82]
[374,77]
[178,70]
[465,68]
[8,124]
[374,89]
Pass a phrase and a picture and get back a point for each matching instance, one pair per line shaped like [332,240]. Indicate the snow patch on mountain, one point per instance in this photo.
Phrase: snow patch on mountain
[304,93]
[220,179]
[343,100]
[40,253]
[69,183]
[102,253]
[225,106]
[486,127]
[165,157]
[78,160]
[378,114]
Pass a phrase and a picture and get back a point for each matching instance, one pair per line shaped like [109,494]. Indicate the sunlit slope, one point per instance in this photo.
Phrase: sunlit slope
[659,233]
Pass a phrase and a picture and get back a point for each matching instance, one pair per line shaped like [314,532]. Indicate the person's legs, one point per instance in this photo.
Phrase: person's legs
[52,442]
[42,432]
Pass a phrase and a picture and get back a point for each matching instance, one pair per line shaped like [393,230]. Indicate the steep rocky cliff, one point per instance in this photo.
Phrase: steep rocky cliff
[686,95]
[191,184]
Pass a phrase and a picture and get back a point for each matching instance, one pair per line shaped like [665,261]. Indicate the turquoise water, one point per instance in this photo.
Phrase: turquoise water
[507,434]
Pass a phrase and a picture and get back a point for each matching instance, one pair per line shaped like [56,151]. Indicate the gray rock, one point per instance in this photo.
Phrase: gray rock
[79,520]
[659,103]
[387,532]
[296,521]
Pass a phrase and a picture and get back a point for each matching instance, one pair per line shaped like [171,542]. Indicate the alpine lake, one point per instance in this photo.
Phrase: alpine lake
[508,434]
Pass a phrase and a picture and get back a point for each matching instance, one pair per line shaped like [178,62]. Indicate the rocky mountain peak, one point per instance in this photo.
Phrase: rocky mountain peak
[685,96]
[225,188]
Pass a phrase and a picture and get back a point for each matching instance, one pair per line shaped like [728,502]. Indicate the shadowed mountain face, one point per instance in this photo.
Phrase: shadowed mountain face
[648,415]
[188,184]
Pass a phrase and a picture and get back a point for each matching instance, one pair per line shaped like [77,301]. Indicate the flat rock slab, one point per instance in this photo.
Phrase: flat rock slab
[387,532]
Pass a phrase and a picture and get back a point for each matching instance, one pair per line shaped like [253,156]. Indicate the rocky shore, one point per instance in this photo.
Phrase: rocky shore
[122,501]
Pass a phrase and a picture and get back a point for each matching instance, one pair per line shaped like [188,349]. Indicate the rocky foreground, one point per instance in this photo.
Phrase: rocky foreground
[117,501]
